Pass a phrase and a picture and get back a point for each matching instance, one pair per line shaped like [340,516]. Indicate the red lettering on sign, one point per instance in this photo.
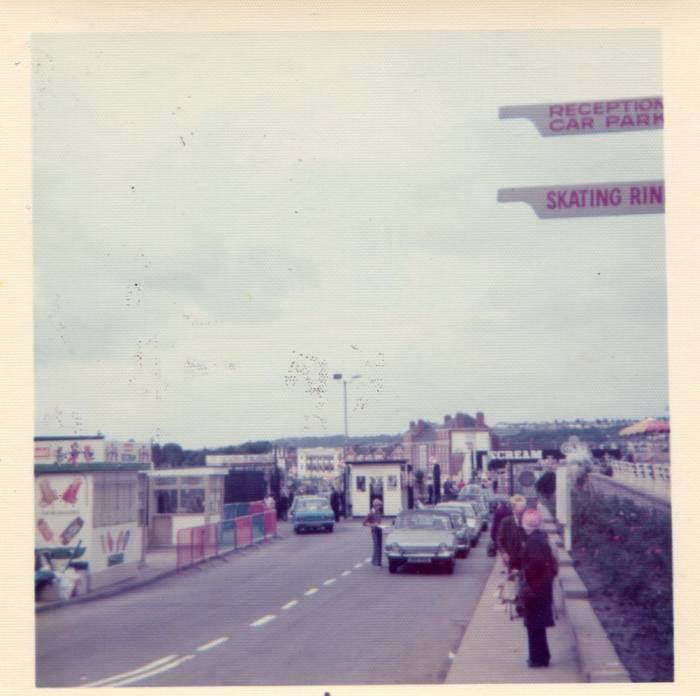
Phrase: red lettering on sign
[556,110]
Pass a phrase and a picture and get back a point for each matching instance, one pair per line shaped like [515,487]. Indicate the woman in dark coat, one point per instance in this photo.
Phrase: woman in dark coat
[539,570]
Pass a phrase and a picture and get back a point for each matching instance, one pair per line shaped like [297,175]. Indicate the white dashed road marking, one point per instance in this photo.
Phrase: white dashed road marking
[330,581]
[368,559]
[345,573]
[152,673]
[358,565]
[313,590]
[212,644]
[150,665]
[263,621]
[289,605]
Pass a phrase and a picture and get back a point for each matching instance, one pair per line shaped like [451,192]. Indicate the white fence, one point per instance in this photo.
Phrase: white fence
[647,477]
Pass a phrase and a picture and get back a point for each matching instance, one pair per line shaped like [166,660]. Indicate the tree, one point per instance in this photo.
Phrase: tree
[172,456]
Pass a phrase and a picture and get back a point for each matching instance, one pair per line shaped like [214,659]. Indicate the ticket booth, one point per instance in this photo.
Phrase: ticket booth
[384,479]
[182,498]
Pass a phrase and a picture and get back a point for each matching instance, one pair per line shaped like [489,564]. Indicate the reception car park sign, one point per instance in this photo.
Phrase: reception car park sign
[587,200]
[578,118]
[597,199]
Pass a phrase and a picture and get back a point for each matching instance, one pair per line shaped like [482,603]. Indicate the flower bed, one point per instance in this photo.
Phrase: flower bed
[624,557]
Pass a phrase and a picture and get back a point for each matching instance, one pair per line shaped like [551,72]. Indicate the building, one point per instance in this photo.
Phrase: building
[182,498]
[90,505]
[374,477]
[459,446]
[319,462]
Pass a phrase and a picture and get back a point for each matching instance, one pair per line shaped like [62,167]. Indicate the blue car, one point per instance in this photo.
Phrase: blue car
[312,512]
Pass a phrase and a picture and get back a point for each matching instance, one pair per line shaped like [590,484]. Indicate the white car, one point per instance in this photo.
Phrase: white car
[422,537]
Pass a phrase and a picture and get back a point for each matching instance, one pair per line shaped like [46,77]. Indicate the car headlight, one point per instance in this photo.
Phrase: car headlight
[471,522]
[393,548]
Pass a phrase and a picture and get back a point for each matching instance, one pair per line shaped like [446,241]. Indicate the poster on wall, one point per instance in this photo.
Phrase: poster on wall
[61,510]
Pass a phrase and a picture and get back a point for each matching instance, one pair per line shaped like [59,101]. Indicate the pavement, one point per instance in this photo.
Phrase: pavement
[494,647]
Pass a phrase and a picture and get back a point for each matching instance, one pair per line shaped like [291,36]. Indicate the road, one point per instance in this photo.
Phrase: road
[305,609]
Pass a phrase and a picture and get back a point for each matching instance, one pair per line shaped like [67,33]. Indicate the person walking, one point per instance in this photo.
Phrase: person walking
[511,544]
[539,568]
[335,504]
[283,506]
[374,520]
[500,513]
[511,536]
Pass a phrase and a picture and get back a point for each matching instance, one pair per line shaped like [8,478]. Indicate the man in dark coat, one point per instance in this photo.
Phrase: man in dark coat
[539,569]
[511,536]
[335,504]
[501,512]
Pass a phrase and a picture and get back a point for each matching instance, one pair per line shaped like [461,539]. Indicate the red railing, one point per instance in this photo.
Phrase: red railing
[197,544]
[270,523]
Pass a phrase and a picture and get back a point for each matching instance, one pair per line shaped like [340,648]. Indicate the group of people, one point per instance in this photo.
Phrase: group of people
[529,561]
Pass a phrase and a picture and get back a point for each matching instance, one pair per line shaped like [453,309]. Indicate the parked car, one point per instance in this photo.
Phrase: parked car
[474,519]
[311,512]
[480,502]
[421,536]
[463,531]
[495,499]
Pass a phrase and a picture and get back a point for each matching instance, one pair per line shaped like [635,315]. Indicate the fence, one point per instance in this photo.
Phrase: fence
[197,544]
[651,478]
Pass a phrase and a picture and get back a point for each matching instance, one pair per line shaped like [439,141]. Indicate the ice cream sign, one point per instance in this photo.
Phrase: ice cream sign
[88,453]
[578,118]
[61,507]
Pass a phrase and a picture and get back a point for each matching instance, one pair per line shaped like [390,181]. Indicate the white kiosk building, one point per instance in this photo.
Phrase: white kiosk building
[371,478]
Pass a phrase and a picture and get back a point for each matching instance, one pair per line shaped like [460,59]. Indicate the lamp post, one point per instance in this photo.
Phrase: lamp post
[346,472]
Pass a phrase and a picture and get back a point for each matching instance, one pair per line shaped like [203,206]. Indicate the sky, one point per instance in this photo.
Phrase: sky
[224,221]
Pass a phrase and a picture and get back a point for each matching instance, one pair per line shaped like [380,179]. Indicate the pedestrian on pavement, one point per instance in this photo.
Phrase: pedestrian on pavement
[511,545]
[283,506]
[539,571]
[500,513]
[511,536]
[269,502]
[373,520]
[335,504]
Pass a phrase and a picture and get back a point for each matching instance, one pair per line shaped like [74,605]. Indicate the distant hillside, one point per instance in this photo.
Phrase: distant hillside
[337,440]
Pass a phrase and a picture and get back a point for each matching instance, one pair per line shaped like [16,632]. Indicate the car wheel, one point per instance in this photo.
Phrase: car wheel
[450,566]
[463,553]
[393,565]
[329,528]
[297,530]
[473,542]
[467,550]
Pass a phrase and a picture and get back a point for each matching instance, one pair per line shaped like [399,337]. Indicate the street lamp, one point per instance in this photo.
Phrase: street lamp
[346,474]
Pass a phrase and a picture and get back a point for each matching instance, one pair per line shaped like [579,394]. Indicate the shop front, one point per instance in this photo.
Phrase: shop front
[182,498]
[372,479]
[87,508]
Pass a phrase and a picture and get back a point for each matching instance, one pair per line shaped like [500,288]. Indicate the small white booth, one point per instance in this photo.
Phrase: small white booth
[182,498]
[372,478]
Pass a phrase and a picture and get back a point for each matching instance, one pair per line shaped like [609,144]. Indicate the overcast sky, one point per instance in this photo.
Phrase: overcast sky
[223,221]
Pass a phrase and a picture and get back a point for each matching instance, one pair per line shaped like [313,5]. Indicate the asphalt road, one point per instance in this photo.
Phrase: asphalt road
[307,609]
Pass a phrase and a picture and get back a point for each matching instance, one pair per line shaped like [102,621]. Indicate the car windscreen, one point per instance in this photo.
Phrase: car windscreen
[312,504]
[457,514]
[422,522]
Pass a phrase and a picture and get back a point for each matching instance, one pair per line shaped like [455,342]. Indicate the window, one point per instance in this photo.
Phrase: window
[360,483]
[166,481]
[166,501]
[215,501]
[115,499]
[191,500]
[391,483]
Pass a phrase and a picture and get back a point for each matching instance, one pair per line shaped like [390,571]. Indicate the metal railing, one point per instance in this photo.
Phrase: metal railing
[198,544]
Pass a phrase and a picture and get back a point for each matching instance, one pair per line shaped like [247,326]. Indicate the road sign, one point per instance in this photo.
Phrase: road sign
[580,118]
[590,200]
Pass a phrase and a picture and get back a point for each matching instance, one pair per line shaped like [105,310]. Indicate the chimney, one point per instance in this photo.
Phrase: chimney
[480,422]
[448,419]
